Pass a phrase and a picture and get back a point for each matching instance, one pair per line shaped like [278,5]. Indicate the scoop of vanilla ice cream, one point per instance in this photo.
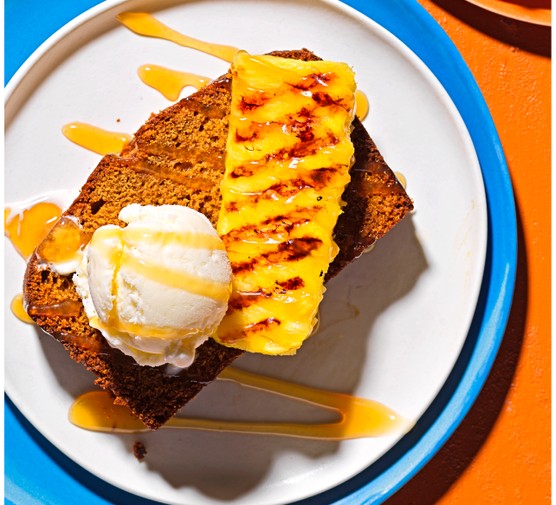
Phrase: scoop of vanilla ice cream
[158,288]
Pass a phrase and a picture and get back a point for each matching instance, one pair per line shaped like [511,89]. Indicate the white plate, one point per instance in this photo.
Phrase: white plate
[393,323]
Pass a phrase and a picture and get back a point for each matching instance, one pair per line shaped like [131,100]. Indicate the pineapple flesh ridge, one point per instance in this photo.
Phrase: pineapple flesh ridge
[288,158]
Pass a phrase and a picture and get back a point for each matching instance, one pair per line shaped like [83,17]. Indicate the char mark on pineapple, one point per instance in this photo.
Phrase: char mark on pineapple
[294,249]
[272,228]
[300,150]
[243,299]
[313,80]
[252,102]
[251,329]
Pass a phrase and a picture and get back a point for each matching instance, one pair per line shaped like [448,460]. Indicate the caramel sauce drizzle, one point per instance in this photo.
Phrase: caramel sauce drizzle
[63,309]
[196,181]
[180,280]
[28,228]
[143,23]
[159,273]
[28,231]
[361,105]
[401,178]
[184,238]
[89,342]
[95,139]
[170,82]
[358,417]
[64,242]
[18,309]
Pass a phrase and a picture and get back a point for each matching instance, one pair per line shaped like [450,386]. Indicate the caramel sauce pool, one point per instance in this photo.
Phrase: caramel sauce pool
[28,228]
[27,231]
[402,179]
[63,243]
[95,139]
[18,309]
[170,82]
[361,105]
[358,417]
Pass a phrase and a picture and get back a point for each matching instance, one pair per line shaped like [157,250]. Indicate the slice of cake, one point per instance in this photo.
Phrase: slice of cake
[177,157]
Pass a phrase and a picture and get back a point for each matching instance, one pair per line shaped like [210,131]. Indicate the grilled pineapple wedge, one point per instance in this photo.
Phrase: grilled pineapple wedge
[288,158]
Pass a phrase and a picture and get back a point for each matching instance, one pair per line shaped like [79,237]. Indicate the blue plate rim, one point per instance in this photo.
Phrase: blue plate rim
[422,34]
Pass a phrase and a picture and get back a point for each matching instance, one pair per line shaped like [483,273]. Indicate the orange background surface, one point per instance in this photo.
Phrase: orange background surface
[501,452]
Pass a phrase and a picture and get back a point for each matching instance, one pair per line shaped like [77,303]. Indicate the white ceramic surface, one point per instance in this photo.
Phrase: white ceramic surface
[393,322]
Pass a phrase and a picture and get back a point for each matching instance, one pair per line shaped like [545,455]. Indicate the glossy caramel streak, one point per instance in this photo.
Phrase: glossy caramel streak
[292,250]
[81,343]
[184,155]
[64,242]
[95,139]
[358,417]
[178,280]
[63,309]
[143,23]
[186,239]
[193,181]
[170,82]
[116,258]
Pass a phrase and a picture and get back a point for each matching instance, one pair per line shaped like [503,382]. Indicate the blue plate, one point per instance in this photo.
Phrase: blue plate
[36,472]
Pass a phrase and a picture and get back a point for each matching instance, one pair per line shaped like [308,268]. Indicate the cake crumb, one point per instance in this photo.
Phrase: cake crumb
[139,450]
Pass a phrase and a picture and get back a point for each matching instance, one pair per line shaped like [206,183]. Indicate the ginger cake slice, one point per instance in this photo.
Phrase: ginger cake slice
[177,157]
